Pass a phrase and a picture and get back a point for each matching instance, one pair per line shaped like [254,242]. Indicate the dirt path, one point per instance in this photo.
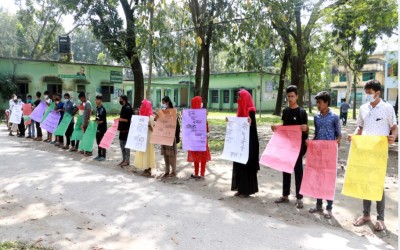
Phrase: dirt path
[65,200]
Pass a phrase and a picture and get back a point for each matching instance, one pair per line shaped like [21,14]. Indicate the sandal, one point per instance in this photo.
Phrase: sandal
[125,163]
[165,175]
[316,210]
[379,226]
[194,176]
[282,199]
[172,175]
[237,194]
[299,204]
[328,214]
[146,173]
[361,221]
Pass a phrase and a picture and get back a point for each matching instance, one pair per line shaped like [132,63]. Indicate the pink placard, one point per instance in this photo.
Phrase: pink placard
[27,110]
[319,178]
[283,149]
[109,135]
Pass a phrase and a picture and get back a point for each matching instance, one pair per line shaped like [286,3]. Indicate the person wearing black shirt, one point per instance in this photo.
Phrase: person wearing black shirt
[38,128]
[123,126]
[294,115]
[101,120]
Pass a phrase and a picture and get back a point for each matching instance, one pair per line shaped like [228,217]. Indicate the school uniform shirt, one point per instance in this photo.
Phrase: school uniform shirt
[69,108]
[327,127]
[86,111]
[377,120]
[101,115]
[36,103]
[123,127]
[60,105]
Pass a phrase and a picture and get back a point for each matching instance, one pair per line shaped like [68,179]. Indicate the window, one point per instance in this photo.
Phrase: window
[393,69]
[54,88]
[342,78]
[106,92]
[214,96]
[226,96]
[81,88]
[235,94]
[368,76]
[23,90]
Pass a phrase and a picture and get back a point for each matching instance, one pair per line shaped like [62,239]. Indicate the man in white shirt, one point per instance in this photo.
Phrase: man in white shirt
[11,104]
[376,117]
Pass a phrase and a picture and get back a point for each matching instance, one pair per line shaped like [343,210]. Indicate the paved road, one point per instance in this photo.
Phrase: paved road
[54,201]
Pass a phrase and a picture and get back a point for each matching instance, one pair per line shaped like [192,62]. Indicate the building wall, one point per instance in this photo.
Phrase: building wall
[391,77]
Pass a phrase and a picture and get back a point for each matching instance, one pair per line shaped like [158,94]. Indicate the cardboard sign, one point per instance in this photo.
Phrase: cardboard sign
[164,130]
[194,129]
[138,132]
[237,138]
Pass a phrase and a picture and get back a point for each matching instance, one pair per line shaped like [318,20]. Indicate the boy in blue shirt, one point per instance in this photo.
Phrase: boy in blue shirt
[327,127]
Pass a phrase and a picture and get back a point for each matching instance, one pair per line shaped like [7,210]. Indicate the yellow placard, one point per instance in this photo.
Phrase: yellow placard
[366,167]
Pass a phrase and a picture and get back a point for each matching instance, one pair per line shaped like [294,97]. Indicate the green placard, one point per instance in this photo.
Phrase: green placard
[26,118]
[78,133]
[63,126]
[116,76]
[87,141]
[48,110]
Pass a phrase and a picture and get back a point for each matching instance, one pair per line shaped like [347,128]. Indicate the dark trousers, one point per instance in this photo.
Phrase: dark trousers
[68,134]
[380,208]
[343,117]
[328,206]
[38,129]
[21,127]
[298,174]
[101,151]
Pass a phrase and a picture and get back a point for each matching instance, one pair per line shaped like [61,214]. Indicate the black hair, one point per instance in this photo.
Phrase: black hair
[99,97]
[46,92]
[324,96]
[19,96]
[38,94]
[375,85]
[29,96]
[166,99]
[59,95]
[81,95]
[291,88]
[124,98]
[67,94]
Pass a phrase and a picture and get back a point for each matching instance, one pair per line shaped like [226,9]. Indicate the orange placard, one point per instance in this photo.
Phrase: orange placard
[27,110]
[164,130]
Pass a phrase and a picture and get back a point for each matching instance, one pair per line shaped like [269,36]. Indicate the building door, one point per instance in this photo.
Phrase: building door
[23,90]
[54,88]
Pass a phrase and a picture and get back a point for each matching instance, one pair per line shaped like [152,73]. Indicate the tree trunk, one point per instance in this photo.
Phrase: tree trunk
[282,77]
[206,76]
[355,95]
[139,82]
[309,92]
[348,87]
[197,77]
[150,49]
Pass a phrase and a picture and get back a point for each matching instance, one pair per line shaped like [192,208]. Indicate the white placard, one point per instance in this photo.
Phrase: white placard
[236,146]
[16,114]
[138,132]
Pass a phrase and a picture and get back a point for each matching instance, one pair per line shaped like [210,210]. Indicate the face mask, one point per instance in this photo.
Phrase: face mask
[46,96]
[66,100]
[19,100]
[15,98]
[29,100]
[121,102]
[370,98]
[164,106]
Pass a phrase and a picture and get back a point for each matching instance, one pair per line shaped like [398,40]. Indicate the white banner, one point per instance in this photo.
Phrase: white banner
[236,146]
[16,114]
[138,132]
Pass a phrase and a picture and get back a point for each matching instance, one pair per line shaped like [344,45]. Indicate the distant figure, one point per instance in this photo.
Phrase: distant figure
[81,72]
[344,108]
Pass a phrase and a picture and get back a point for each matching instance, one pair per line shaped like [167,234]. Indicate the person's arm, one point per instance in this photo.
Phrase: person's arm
[304,126]
[338,130]
[102,117]
[316,128]
[393,135]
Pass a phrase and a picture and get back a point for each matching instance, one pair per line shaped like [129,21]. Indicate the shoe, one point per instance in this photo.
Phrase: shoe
[28,136]
[21,136]
[96,158]
[57,144]
[88,154]
[52,142]
[73,149]
[65,147]
[38,139]
[101,159]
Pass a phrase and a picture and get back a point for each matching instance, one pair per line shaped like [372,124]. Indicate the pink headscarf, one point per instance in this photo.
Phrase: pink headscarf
[196,102]
[146,109]
[245,103]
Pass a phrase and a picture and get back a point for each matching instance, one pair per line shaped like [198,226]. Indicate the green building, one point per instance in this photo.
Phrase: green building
[110,81]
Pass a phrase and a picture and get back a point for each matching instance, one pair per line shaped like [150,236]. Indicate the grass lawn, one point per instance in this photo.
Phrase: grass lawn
[15,245]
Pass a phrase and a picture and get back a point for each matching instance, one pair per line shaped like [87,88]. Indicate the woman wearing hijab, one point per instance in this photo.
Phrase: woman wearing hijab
[199,158]
[146,160]
[244,176]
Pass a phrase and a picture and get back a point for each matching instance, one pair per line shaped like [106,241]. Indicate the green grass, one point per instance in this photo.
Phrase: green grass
[16,245]
[216,145]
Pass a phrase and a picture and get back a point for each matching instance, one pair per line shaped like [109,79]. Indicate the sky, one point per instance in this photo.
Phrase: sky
[384,44]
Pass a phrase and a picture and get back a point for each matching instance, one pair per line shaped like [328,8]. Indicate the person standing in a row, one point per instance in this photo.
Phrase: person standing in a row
[244,176]
[87,112]
[70,108]
[125,117]
[101,120]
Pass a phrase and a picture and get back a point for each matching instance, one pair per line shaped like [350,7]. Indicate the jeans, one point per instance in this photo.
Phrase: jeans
[31,129]
[39,130]
[101,151]
[343,117]
[125,151]
[68,134]
[298,174]
[380,208]
[328,206]
[21,127]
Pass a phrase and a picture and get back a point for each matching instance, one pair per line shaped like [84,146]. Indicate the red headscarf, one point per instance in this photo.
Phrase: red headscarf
[196,102]
[146,108]
[245,103]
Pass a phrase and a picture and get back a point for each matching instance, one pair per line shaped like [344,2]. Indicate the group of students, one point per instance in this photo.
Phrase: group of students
[375,118]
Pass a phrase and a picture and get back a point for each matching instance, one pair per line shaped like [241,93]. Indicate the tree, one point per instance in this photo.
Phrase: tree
[355,33]
[39,22]
[118,33]
[7,86]
[8,38]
